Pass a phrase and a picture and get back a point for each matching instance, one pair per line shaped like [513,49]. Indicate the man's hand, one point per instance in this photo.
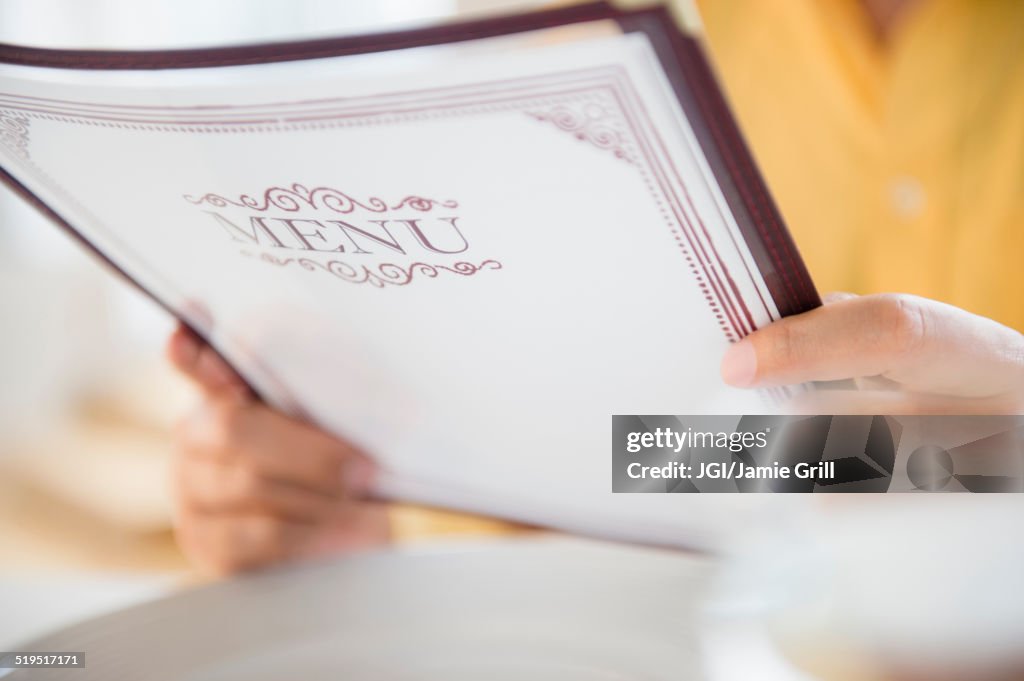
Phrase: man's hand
[253,487]
[907,354]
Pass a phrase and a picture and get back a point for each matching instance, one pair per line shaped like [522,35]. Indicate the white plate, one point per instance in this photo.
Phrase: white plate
[547,609]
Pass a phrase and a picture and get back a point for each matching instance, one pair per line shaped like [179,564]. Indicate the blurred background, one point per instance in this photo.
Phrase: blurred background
[87,403]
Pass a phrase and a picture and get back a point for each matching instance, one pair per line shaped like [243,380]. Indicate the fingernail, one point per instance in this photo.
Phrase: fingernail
[358,474]
[739,365]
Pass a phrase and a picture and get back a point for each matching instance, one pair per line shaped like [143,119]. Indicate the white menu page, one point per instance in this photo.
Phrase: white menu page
[464,258]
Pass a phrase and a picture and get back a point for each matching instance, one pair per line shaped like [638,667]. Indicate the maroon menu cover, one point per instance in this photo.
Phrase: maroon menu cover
[462,247]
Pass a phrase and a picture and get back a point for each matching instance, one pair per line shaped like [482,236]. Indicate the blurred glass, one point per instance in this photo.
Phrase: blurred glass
[894,587]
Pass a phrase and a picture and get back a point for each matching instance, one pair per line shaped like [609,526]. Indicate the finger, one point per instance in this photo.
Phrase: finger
[362,525]
[228,544]
[201,364]
[925,346]
[214,487]
[276,446]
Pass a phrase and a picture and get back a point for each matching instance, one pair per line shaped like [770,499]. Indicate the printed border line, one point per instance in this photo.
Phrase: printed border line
[739,321]
[462,93]
[519,104]
[512,84]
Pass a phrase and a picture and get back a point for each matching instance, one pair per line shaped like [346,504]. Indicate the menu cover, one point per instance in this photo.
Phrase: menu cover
[462,247]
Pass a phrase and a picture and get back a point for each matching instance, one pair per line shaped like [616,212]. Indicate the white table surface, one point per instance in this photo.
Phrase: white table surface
[35,604]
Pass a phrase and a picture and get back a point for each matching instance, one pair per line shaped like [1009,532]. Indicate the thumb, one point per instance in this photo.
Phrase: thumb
[923,345]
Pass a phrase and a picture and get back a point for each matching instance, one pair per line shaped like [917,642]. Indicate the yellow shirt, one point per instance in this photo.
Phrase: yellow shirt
[898,166]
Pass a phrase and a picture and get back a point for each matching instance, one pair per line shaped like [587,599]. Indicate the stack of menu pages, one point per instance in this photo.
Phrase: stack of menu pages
[463,247]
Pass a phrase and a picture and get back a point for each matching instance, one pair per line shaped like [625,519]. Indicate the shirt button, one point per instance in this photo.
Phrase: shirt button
[906,197]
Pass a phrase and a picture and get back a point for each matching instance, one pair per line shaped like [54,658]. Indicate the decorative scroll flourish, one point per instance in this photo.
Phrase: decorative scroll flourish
[381,275]
[589,122]
[298,196]
[14,133]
